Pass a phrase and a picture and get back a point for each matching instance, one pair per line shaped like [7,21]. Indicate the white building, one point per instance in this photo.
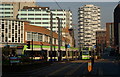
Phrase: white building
[89,22]
[10,9]
[11,31]
[40,16]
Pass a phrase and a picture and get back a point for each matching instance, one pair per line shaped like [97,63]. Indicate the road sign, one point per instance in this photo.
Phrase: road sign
[89,66]
[94,46]
[68,46]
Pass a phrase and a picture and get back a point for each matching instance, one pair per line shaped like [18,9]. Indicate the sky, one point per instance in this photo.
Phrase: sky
[59,0]
[77,0]
[107,9]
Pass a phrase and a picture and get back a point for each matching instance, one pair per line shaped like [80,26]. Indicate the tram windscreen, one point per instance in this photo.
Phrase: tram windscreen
[85,53]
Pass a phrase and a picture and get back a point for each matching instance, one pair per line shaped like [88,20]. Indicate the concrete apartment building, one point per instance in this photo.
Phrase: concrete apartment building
[89,23]
[11,31]
[110,34]
[40,16]
[100,40]
[10,9]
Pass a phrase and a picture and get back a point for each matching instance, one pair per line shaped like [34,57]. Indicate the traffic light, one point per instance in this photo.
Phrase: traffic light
[65,45]
[28,44]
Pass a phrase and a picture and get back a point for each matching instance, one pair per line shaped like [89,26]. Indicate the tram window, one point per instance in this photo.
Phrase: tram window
[52,54]
[63,53]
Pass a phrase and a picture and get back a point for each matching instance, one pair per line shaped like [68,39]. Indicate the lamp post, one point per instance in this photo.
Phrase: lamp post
[59,37]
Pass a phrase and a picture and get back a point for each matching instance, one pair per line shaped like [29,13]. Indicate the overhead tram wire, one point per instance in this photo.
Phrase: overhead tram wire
[59,6]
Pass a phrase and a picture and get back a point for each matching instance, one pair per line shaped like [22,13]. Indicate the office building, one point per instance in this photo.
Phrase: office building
[117,27]
[11,31]
[100,40]
[10,9]
[110,34]
[40,16]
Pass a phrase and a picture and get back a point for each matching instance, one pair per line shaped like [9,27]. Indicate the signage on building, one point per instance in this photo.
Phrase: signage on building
[20,47]
[14,59]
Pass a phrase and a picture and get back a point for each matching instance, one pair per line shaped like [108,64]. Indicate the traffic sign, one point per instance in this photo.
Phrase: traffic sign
[68,46]
[94,46]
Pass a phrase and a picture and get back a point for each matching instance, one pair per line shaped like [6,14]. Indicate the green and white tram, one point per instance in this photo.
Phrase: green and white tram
[86,53]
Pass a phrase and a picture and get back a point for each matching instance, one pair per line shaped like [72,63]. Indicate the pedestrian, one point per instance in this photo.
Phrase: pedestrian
[92,60]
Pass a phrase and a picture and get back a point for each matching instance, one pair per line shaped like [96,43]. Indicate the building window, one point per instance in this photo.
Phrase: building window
[30,18]
[12,31]
[23,18]
[37,18]
[45,23]
[35,37]
[15,27]
[18,39]
[21,27]
[30,14]
[12,39]
[6,30]
[5,39]
[19,31]
[2,26]
[15,35]
[46,38]
[44,18]
[9,26]
[39,37]
[60,14]
[37,22]
[29,36]
[7,12]
[21,35]
[37,14]
[45,14]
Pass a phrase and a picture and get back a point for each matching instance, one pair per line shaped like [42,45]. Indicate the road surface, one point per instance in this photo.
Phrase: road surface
[107,66]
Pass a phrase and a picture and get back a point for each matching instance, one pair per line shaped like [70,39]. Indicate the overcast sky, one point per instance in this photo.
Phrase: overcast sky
[107,9]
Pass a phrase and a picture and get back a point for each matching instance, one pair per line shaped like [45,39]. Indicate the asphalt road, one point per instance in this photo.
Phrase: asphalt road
[107,66]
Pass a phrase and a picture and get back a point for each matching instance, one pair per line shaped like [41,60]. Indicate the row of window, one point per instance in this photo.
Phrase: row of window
[16,27]
[40,37]
[40,19]
[6,8]
[42,14]
[34,36]
[6,4]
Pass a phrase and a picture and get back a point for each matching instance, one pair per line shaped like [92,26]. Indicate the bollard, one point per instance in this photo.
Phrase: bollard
[89,66]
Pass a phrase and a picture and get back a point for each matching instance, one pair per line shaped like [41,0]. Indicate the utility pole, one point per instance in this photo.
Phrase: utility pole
[59,37]
[32,43]
[51,33]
